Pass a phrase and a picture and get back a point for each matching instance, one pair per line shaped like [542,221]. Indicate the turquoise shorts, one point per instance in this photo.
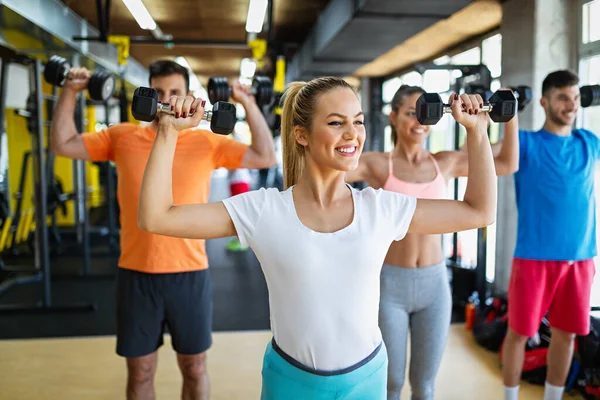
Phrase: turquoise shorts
[283,381]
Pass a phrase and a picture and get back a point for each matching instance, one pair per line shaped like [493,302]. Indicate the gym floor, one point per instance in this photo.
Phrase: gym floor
[87,368]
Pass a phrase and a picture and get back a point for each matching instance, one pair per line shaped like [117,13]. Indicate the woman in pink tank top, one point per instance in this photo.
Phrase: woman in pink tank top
[415,292]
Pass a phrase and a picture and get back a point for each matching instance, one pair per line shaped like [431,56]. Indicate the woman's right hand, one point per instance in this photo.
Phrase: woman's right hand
[78,79]
[187,113]
[466,111]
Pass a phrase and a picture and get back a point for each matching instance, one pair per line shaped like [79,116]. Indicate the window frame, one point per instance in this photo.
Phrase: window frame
[585,50]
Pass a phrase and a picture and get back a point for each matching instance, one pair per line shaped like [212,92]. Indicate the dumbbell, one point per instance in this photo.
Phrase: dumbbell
[524,95]
[502,106]
[590,95]
[100,87]
[145,105]
[219,89]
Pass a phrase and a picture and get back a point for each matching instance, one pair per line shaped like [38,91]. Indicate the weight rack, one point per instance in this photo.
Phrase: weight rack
[41,271]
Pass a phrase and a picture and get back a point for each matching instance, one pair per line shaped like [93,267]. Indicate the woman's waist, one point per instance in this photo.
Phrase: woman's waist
[415,251]
[315,371]
[331,344]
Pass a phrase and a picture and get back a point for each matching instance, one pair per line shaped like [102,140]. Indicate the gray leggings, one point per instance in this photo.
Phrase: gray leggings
[419,300]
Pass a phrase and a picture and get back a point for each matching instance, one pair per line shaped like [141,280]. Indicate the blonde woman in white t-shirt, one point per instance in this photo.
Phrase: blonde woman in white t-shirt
[320,242]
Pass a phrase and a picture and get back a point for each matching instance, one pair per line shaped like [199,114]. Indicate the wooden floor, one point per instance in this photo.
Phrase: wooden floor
[87,368]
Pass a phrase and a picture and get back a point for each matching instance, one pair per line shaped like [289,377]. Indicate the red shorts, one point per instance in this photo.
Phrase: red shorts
[239,188]
[560,288]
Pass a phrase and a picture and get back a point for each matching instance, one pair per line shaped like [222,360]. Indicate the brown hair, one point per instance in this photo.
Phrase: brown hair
[403,92]
[299,103]
[559,79]
[167,67]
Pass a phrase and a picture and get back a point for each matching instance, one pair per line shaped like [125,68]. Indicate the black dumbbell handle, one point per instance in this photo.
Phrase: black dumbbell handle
[252,91]
[486,108]
[166,108]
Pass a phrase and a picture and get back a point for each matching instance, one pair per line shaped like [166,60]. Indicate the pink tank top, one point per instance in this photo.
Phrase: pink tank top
[435,189]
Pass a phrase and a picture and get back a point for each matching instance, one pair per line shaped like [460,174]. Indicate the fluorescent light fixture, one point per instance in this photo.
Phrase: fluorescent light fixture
[141,14]
[442,60]
[247,68]
[256,15]
[158,34]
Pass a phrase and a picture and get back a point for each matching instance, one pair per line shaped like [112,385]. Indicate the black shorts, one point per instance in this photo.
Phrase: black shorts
[147,303]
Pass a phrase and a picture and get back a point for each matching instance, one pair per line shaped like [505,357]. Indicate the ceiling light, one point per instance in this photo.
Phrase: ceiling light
[141,14]
[256,15]
[247,68]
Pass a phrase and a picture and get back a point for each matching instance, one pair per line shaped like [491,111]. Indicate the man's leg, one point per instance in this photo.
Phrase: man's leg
[569,315]
[527,304]
[513,356]
[140,377]
[196,384]
[140,314]
[188,301]
[560,356]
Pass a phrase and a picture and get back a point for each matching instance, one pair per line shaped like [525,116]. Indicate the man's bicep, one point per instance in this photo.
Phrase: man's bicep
[75,149]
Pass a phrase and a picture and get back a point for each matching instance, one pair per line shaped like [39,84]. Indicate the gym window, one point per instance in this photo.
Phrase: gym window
[487,50]
[589,74]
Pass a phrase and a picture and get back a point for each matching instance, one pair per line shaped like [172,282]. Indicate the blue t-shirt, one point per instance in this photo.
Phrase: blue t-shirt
[555,196]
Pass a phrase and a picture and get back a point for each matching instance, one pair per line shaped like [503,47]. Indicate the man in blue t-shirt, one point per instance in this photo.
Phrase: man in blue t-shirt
[553,266]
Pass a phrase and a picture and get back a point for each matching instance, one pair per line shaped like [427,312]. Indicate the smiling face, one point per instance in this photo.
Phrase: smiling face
[337,133]
[562,104]
[404,121]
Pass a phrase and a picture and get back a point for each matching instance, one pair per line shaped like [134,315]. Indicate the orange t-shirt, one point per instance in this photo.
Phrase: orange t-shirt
[198,153]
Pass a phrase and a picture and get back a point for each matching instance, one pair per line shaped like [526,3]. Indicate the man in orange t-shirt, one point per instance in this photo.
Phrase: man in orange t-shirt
[161,280]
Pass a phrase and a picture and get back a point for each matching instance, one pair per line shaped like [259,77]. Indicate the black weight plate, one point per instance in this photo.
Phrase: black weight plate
[430,109]
[101,85]
[144,104]
[225,90]
[54,71]
[218,89]
[504,105]
[263,90]
[211,90]
[223,118]
[93,86]
[108,86]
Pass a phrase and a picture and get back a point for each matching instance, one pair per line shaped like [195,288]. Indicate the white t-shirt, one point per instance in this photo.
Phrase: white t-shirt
[323,287]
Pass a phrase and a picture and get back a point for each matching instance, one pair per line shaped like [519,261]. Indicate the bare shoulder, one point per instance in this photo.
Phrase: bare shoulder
[377,163]
[375,160]
[447,160]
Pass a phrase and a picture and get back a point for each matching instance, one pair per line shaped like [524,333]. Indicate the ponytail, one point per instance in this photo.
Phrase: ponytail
[293,152]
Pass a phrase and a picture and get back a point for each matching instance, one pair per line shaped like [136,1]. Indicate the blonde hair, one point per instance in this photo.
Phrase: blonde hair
[299,103]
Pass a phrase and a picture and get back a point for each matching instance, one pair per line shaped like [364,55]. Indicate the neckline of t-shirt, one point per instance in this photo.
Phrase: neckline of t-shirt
[557,137]
[306,228]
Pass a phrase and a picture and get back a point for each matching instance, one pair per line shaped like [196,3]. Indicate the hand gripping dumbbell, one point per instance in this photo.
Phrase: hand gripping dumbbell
[502,106]
[219,90]
[100,87]
[590,95]
[145,105]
